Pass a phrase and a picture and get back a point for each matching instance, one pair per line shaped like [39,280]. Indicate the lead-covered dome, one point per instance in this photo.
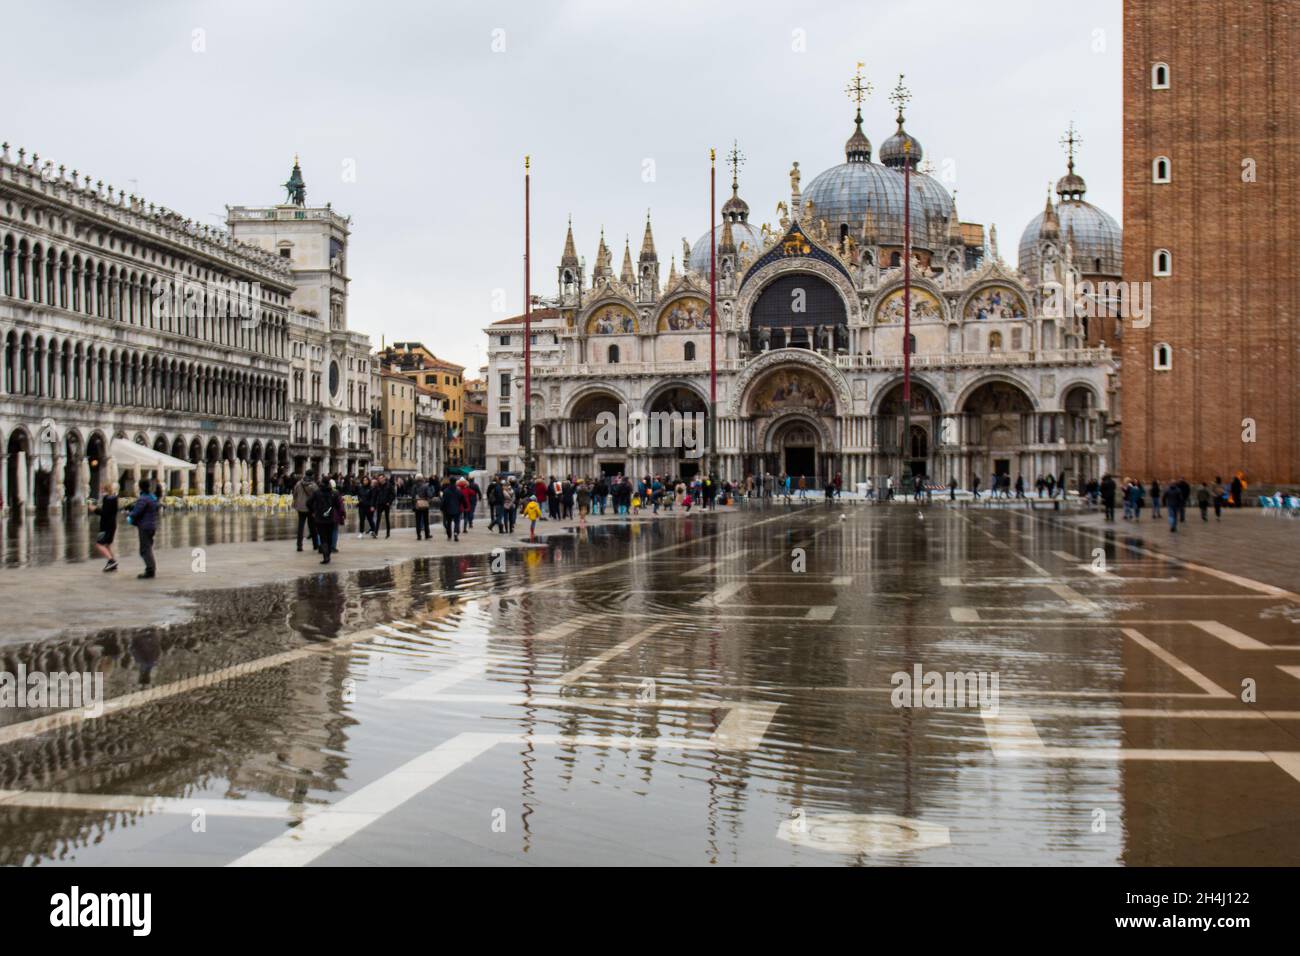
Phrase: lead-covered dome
[1098,240]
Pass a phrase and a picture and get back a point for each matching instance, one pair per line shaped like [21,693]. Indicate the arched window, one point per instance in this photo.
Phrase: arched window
[689,351]
[895,259]
[1160,76]
[1160,169]
[995,341]
[1164,357]
[1162,262]
[613,355]
[911,344]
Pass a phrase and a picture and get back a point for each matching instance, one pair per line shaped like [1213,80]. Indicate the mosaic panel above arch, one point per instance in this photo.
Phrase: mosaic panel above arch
[789,387]
[924,306]
[996,302]
[611,320]
[689,314]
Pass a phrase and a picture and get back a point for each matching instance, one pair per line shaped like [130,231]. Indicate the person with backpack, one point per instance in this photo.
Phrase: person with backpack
[451,505]
[420,505]
[144,518]
[494,499]
[1173,500]
[302,494]
[365,498]
[326,506]
[509,506]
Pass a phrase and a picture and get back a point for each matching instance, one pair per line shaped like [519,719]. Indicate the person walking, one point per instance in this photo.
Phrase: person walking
[475,493]
[1234,494]
[583,495]
[365,495]
[144,518]
[106,508]
[385,495]
[1173,498]
[509,506]
[302,492]
[452,503]
[1108,496]
[1155,499]
[494,498]
[975,487]
[1218,492]
[1184,496]
[420,505]
[952,489]
[323,515]
[532,511]
[1203,501]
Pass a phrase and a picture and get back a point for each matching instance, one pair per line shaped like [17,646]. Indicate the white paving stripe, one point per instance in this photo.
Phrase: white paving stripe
[140,698]
[1189,672]
[721,594]
[605,656]
[1291,669]
[1071,596]
[820,612]
[964,615]
[1011,733]
[744,726]
[1065,555]
[1231,636]
[325,829]
[127,803]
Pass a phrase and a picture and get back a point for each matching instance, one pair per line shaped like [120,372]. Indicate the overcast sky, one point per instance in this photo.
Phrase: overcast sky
[434,106]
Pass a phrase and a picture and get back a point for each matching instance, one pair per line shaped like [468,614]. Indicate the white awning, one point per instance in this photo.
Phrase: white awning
[128,454]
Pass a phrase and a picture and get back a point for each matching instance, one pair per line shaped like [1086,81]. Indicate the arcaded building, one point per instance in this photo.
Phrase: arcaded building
[1211,172]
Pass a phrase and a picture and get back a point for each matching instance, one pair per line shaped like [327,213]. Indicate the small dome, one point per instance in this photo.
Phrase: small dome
[1098,239]
[893,154]
[1071,185]
[747,239]
[735,208]
[857,148]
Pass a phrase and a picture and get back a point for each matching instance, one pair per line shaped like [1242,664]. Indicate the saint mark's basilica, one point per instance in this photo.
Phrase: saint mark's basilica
[810,338]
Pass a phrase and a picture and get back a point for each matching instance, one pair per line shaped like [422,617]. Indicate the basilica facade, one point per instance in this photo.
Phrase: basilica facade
[810,340]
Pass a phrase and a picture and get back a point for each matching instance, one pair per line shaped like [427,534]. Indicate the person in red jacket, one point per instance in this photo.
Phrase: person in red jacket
[539,489]
[466,503]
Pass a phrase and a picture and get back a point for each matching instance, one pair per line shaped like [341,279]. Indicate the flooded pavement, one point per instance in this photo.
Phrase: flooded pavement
[717,689]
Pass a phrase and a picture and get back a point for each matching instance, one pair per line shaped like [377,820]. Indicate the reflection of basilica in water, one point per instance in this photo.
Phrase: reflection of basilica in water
[810,338]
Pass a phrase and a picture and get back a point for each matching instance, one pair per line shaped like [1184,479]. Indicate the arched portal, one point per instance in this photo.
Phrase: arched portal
[910,455]
[999,428]
[676,430]
[796,446]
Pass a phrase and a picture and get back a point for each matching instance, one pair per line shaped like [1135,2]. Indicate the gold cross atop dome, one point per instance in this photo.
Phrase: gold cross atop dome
[900,97]
[735,159]
[1070,140]
[858,88]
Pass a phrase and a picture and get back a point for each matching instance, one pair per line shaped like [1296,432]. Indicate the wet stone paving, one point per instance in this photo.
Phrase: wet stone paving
[711,689]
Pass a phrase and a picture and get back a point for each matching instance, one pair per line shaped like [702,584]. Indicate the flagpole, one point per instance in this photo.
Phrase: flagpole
[907,304]
[713,313]
[528,331]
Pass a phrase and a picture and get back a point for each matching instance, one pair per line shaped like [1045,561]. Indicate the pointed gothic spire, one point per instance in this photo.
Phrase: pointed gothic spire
[604,261]
[1051,228]
[628,276]
[570,256]
[648,243]
[672,273]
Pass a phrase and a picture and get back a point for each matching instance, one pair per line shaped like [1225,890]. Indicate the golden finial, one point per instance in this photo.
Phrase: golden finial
[900,97]
[527,160]
[858,89]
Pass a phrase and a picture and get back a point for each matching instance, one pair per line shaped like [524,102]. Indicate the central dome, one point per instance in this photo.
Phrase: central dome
[845,194]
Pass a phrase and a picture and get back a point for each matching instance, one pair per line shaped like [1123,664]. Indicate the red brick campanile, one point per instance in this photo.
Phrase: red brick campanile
[1210,89]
